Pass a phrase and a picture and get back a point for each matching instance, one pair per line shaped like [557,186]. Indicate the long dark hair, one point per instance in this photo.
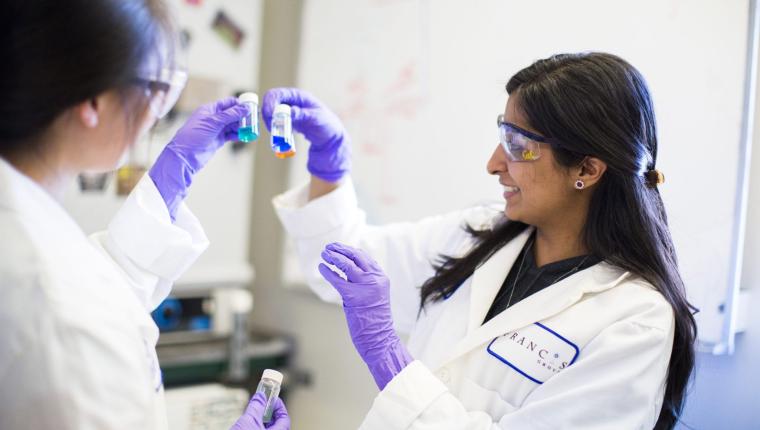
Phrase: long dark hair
[57,54]
[599,105]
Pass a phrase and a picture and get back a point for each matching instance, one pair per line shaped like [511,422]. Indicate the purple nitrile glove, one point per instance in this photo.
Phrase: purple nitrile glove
[253,417]
[330,152]
[366,303]
[207,129]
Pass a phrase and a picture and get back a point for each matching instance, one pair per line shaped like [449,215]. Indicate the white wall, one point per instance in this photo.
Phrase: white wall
[726,389]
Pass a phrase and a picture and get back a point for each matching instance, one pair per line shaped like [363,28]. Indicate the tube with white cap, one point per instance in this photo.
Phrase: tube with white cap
[248,131]
[270,386]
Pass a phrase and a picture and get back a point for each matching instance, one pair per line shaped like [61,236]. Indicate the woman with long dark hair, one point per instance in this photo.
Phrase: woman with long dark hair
[564,309]
[81,82]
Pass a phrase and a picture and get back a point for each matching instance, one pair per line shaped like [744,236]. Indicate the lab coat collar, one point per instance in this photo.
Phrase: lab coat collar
[488,278]
[544,304]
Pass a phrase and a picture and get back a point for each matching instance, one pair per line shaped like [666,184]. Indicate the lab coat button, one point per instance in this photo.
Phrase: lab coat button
[443,375]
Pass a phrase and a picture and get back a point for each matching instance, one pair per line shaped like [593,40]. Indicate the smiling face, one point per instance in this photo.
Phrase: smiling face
[540,191]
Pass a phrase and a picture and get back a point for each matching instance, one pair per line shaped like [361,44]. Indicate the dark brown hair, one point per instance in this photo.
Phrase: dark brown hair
[57,54]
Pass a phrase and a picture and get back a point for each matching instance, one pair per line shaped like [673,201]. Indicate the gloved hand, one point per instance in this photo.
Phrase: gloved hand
[329,153]
[253,417]
[366,303]
[207,129]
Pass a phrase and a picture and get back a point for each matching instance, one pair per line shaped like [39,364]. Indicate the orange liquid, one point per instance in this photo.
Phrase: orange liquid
[286,154]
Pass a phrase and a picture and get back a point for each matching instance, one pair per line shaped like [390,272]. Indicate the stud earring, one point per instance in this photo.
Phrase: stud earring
[579,184]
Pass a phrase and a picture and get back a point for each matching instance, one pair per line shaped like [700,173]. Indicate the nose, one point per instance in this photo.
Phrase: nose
[498,162]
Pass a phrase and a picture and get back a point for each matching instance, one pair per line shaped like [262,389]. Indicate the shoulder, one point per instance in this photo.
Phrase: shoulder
[638,301]
[37,248]
[483,216]
[448,232]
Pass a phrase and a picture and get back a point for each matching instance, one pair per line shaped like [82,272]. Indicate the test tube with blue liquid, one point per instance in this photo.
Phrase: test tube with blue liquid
[248,131]
[282,132]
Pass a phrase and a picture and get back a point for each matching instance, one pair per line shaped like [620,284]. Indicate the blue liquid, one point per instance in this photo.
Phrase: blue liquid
[281,144]
[246,134]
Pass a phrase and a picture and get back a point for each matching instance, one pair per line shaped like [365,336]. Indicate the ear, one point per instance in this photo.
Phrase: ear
[88,113]
[590,171]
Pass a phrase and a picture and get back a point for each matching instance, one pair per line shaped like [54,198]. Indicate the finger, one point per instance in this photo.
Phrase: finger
[253,414]
[356,255]
[229,135]
[370,263]
[280,418]
[352,271]
[232,114]
[231,128]
[333,278]
[256,405]
[303,117]
[289,96]
[225,103]
[271,99]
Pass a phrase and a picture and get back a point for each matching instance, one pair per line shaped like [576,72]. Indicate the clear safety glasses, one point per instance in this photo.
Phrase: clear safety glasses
[164,91]
[518,143]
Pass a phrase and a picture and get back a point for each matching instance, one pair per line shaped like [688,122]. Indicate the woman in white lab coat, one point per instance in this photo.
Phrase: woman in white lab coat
[564,309]
[81,81]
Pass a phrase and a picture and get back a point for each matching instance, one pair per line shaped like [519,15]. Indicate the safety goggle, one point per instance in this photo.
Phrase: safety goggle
[518,143]
[164,91]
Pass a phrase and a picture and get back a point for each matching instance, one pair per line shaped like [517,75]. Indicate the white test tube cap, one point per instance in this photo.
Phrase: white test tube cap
[283,109]
[273,375]
[249,98]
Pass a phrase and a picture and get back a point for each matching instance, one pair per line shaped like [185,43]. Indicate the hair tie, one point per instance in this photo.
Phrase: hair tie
[654,178]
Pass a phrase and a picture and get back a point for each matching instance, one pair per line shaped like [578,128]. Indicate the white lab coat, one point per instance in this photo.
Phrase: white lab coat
[77,343]
[589,352]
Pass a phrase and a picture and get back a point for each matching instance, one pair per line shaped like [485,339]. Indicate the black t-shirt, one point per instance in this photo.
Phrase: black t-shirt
[525,279]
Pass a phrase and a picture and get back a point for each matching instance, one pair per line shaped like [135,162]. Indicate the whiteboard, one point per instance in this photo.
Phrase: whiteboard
[418,84]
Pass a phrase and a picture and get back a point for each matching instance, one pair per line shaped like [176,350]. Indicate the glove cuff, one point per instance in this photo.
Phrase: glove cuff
[172,177]
[395,359]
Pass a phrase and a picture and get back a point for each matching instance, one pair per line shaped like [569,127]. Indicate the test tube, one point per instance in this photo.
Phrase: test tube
[270,386]
[282,132]
[248,130]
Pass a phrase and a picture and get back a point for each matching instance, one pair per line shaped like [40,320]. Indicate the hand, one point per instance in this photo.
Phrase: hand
[207,129]
[366,303]
[252,418]
[329,153]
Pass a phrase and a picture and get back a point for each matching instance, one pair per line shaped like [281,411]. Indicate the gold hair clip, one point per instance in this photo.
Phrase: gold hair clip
[655,177]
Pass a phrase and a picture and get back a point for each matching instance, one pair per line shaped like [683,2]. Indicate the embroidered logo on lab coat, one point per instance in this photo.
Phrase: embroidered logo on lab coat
[536,351]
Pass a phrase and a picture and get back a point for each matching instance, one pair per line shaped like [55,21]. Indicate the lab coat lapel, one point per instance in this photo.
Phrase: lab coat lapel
[540,306]
[488,278]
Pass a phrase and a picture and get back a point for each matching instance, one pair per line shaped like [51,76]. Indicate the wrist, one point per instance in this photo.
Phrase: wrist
[318,187]
[172,176]
[330,161]
[385,368]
